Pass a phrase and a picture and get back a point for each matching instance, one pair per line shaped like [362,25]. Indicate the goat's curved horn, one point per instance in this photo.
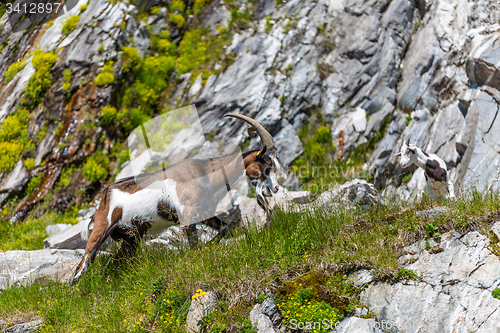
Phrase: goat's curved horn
[267,139]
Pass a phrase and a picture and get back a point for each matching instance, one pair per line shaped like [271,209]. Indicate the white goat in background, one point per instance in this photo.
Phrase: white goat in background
[436,175]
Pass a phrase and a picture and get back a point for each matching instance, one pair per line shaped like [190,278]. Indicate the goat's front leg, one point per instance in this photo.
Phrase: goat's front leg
[429,190]
[451,189]
[99,234]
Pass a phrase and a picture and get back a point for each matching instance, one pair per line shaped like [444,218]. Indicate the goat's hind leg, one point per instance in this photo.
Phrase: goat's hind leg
[451,189]
[192,234]
[130,237]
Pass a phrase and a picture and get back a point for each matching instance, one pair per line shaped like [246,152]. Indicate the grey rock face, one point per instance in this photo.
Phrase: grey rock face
[200,307]
[28,327]
[350,127]
[266,317]
[360,278]
[358,325]
[253,215]
[21,267]
[431,213]
[478,167]
[14,180]
[357,192]
[482,66]
[56,228]
[69,238]
[452,52]
[458,275]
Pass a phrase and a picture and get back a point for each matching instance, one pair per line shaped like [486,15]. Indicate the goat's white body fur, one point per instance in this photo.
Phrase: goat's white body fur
[434,188]
[143,204]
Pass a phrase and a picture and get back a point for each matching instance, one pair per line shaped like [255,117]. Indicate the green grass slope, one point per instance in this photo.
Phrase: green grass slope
[303,259]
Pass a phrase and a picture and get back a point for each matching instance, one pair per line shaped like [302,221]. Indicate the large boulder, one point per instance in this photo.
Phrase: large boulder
[266,317]
[354,193]
[27,327]
[22,267]
[69,238]
[202,304]
[253,215]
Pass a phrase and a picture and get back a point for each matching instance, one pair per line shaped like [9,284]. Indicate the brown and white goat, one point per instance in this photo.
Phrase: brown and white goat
[436,175]
[188,191]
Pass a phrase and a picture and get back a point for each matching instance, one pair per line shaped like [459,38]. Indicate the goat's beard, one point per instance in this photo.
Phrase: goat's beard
[261,192]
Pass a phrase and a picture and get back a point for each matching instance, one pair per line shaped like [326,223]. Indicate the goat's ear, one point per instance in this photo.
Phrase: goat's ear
[398,154]
[262,152]
[413,150]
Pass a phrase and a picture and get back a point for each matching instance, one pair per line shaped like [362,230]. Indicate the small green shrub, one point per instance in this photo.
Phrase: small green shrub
[155,10]
[496,293]
[70,24]
[83,7]
[41,133]
[406,274]
[104,79]
[193,51]
[33,184]
[302,307]
[136,118]
[41,80]
[261,298]
[199,5]
[151,74]
[106,75]
[108,114]
[177,5]
[408,120]
[14,139]
[67,74]
[431,230]
[65,177]
[29,163]
[177,19]
[13,70]
[164,46]
[130,59]
[96,167]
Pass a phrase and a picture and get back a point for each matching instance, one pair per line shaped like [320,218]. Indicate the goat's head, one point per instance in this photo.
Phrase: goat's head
[408,154]
[263,168]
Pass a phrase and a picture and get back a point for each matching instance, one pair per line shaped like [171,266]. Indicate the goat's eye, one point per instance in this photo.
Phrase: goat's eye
[408,151]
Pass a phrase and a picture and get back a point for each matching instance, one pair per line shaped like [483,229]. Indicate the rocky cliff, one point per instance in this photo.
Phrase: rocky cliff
[376,72]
